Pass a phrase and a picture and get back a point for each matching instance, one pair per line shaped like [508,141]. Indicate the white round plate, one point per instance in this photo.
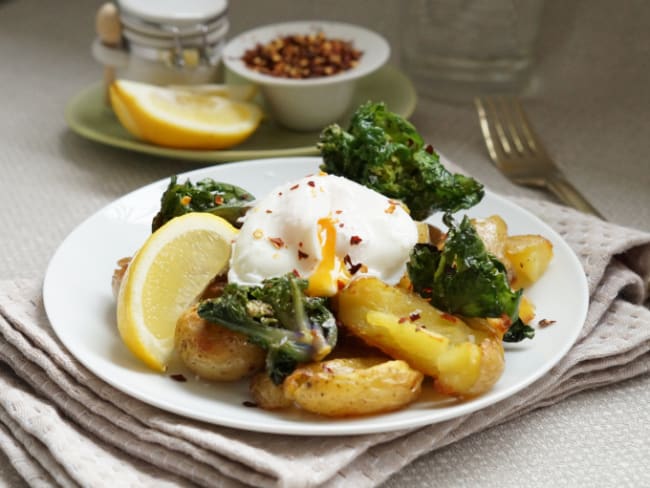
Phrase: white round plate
[81,308]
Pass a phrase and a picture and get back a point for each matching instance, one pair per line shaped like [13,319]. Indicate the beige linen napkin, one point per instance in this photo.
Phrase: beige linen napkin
[60,424]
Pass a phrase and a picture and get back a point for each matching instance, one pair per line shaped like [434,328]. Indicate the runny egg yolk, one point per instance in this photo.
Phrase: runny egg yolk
[325,279]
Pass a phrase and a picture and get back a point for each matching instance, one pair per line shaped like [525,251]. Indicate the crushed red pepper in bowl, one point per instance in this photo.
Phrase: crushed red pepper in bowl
[302,56]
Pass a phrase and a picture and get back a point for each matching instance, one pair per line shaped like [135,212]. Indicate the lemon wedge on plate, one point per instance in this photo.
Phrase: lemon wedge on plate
[166,275]
[183,119]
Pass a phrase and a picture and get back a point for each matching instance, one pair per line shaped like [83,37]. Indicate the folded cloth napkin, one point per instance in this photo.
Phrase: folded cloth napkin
[59,424]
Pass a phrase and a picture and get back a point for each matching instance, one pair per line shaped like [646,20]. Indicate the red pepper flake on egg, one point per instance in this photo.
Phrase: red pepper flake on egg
[277,242]
[302,255]
[355,240]
[218,200]
[352,268]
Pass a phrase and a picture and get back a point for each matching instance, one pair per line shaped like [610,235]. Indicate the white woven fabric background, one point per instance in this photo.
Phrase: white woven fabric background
[590,106]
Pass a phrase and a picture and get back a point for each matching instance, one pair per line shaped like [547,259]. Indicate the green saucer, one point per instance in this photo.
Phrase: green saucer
[90,117]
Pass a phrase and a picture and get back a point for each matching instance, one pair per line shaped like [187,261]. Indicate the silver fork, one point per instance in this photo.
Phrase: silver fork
[519,154]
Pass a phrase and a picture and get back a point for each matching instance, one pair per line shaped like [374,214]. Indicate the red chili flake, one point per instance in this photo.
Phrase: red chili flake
[268,210]
[352,268]
[279,193]
[449,317]
[402,320]
[546,322]
[427,291]
[218,199]
[340,284]
[341,225]
[354,240]
[249,404]
[296,273]
[429,149]
[327,368]
[413,316]
[300,244]
[294,187]
[277,242]
[311,183]
[338,212]
[178,377]
[302,255]
[391,208]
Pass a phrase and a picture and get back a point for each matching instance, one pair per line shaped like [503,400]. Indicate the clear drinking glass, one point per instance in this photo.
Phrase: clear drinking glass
[457,49]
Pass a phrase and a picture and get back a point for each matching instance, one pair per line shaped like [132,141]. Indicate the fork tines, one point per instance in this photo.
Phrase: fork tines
[506,129]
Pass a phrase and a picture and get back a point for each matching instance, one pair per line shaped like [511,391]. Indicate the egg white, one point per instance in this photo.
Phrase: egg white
[281,234]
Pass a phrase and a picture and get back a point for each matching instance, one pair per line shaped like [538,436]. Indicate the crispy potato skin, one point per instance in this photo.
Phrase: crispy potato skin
[266,394]
[353,386]
[464,361]
[213,352]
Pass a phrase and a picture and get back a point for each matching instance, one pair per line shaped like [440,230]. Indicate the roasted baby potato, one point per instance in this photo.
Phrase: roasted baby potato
[353,386]
[464,361]
[529,256]
[213,352]
[266,394]
[493,231]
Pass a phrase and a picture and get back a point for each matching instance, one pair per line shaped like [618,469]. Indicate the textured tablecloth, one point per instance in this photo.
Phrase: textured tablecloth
[590,104]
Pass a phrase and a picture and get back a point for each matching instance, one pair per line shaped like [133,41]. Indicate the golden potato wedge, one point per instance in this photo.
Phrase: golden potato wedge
[529,256]
[463,360]
[493,231]
[213,352]
[266,394]
[353,386]
[526,310]
[430,234]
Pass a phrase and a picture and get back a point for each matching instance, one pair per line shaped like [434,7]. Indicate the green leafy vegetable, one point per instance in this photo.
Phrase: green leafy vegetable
[383,151]
[463,278]
[518,331]
[277,316]
[222,199]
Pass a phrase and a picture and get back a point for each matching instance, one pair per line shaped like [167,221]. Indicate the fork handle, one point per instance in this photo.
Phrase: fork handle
[570,195]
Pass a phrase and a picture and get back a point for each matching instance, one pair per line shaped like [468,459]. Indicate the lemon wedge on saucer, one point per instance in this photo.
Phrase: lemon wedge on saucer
[183,119]
[165,277]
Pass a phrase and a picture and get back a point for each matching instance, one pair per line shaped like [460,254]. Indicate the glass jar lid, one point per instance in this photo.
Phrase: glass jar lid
[182,14]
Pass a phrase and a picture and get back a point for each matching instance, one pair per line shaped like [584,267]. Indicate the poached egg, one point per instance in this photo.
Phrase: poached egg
[326,229]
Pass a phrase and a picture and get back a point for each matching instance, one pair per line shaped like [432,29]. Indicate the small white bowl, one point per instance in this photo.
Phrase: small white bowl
[308,103]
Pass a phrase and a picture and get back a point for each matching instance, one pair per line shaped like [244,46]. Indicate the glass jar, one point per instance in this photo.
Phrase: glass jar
[167,42]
